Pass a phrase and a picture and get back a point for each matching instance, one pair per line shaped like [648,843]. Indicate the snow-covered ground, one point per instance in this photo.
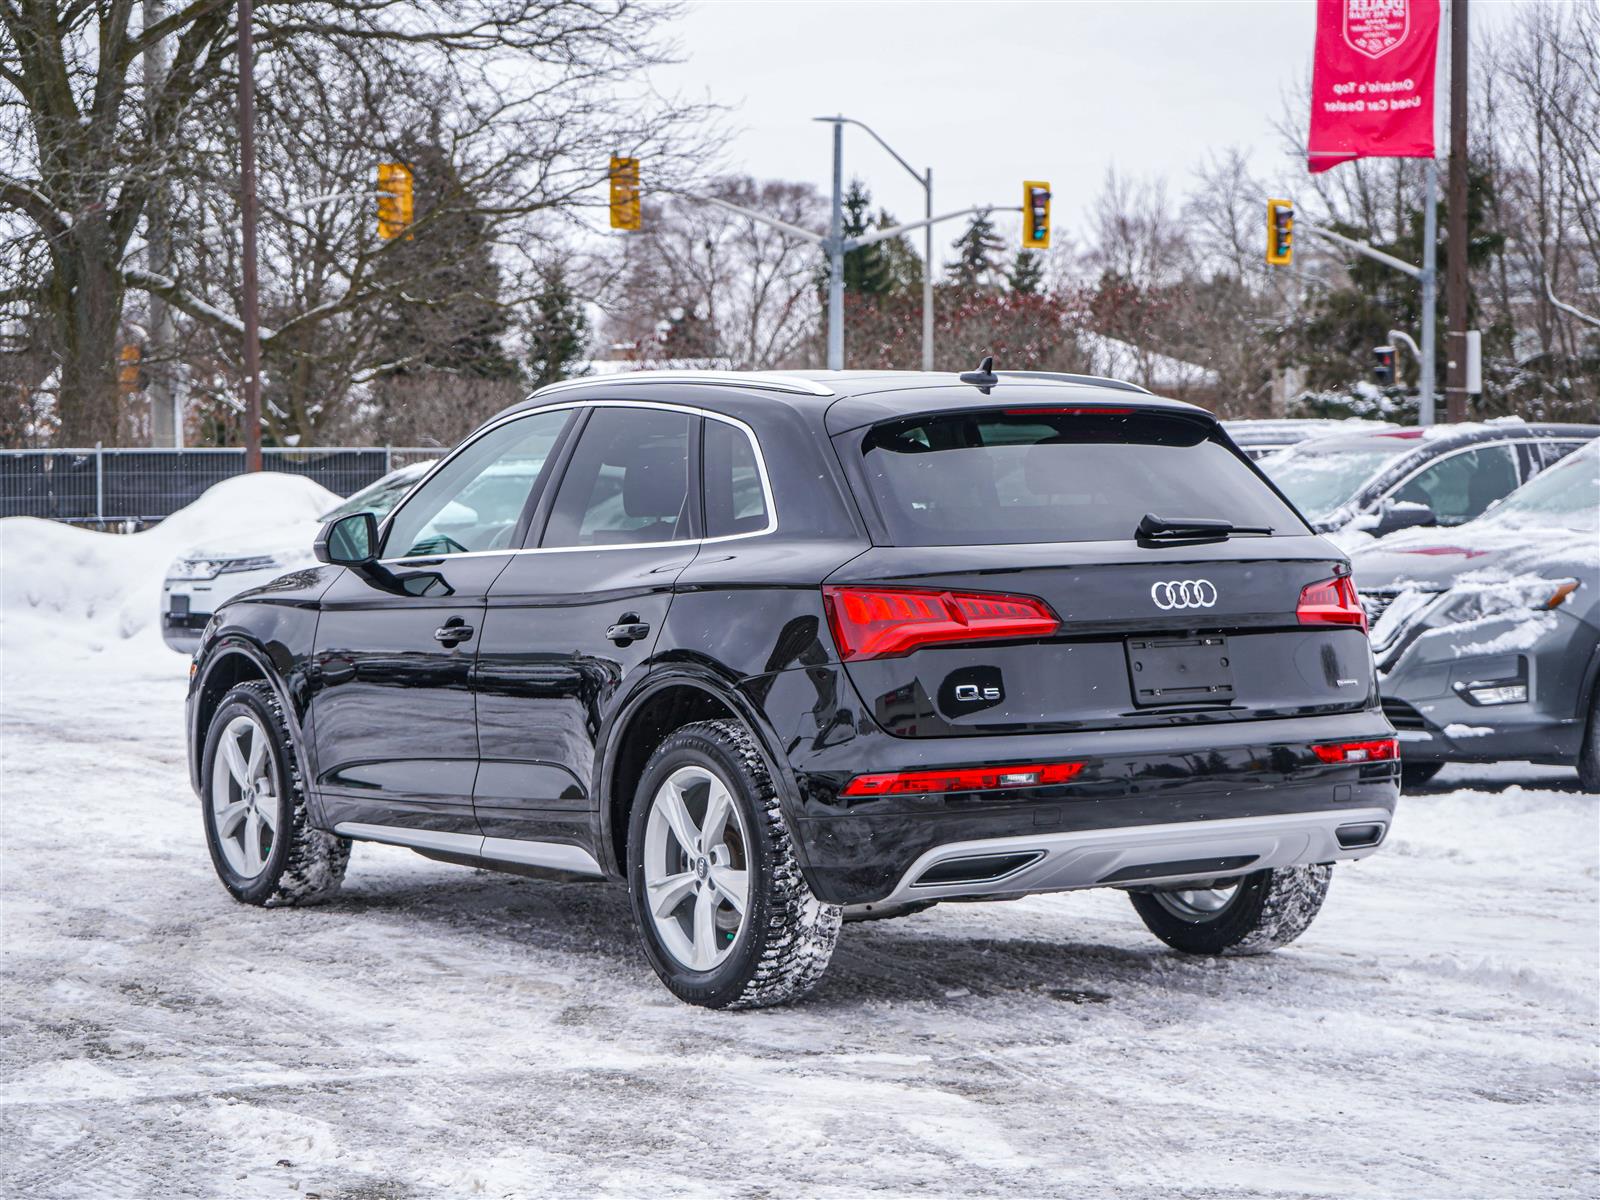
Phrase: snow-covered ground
[438,1031]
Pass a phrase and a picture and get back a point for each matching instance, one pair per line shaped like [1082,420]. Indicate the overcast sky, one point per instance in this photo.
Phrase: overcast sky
[991,93]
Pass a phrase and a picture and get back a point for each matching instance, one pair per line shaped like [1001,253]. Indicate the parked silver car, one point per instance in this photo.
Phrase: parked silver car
[203,577]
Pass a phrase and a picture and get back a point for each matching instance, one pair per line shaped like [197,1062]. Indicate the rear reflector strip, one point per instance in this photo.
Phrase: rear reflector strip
[1331,602]
[1376,750]
[962,779]
[882,622]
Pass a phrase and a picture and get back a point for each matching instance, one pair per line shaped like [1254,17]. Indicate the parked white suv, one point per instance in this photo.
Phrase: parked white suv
[205,576]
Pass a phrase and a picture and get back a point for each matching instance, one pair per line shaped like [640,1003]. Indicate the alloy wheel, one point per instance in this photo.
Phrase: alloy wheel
[696,868]
[1198,905]
[244,796]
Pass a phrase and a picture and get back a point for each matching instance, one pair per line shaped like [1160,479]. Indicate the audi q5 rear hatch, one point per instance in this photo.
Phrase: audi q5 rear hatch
[1057,567]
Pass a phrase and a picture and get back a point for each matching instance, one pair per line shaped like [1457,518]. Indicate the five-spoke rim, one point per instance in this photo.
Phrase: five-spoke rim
[244,796]
[1198,905]
[696,868]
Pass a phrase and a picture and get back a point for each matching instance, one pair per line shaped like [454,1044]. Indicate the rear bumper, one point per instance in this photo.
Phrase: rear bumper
[1139,856]
[1143,792]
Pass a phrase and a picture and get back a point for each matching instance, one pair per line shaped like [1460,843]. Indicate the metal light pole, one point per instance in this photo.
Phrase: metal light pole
[836,256]
[925,178]
[1455,388]
[1429,279]
[247,230]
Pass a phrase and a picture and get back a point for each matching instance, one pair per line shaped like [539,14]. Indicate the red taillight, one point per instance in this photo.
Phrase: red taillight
[1376,750]
[872,622]
[962,779]
[1332,602]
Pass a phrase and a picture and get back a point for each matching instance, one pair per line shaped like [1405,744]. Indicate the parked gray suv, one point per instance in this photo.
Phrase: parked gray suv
[1487,636]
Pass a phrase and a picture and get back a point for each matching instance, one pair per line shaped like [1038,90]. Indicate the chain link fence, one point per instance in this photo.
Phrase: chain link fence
[101,486]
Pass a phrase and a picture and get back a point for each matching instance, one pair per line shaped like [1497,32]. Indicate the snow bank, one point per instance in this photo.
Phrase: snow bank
[113,581]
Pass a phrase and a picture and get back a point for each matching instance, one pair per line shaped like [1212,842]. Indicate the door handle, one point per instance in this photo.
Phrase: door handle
[628,629]
[453,631]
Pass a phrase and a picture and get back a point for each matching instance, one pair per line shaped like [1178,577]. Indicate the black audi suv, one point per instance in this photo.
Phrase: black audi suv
[780,651]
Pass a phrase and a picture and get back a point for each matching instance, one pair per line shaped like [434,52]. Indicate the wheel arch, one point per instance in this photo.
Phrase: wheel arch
[233,661]
[665,702]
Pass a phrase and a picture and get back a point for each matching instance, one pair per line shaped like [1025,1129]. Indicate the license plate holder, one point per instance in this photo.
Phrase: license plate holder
[1180,670]
[178,605]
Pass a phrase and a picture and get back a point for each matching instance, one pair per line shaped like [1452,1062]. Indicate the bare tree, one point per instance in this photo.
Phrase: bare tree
[541,92]
[749,289]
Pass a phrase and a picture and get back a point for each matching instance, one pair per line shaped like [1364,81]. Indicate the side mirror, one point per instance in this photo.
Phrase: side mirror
[348,542]
[1403,514]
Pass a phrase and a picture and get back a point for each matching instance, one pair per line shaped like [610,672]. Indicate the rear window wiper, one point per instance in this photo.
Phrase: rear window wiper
[1187,529]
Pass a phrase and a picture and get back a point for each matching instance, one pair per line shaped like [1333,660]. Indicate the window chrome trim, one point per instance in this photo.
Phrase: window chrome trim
[687,409]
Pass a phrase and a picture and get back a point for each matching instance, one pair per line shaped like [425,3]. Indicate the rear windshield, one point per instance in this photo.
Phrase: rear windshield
[1054,475]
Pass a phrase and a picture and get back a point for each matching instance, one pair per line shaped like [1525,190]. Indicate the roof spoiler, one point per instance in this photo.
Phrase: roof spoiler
[1120,385]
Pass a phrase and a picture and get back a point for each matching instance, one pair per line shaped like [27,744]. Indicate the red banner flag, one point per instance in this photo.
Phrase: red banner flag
[1372,81]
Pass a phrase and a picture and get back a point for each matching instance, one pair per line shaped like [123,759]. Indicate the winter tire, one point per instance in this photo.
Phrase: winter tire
[1257,913]
[258,828]
[1415,775]
[1589,753]
[725,915]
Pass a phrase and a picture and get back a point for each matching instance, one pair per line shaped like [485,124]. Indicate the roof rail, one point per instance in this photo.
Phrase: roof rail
[1121,385]
[756,379]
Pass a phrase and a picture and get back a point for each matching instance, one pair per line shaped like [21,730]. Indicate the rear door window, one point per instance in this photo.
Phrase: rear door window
[627,483]
[736,501]
[1054,475]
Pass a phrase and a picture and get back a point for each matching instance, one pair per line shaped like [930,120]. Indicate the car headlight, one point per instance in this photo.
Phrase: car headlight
[1472,601]
[194,568]
[210,568]
[259,562]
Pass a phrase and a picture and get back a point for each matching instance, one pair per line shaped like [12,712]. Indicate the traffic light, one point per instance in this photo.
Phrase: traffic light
[394,201]
[130,369]
[1035,215]
[1280,232]
[1383,369]
[624,193]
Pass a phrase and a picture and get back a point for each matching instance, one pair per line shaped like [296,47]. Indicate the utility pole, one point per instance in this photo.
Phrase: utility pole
[247,230]
[166,417]
[1455,389]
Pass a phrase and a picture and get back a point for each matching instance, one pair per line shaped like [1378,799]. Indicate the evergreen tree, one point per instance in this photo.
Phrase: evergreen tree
[1026,276]
[1335,336]
[902,264]
[448,312]
[559,335]
[866,271]
[977,251]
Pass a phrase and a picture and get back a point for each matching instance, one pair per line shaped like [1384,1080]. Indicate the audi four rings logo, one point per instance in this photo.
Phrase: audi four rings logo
[1184,593]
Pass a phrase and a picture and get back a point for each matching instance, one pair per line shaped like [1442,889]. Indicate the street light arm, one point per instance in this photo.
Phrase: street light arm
[1401,336]
[814,238]
[878,235]
[1388,260]
[873,134]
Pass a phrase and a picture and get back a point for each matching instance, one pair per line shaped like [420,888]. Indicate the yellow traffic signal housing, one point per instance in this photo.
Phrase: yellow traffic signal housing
[130,372]
[394,201]
[1035,215]
[1280,232]
[625,193]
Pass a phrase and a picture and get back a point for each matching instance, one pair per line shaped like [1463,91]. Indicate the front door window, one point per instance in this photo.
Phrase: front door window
[1461,486]
[477,499]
